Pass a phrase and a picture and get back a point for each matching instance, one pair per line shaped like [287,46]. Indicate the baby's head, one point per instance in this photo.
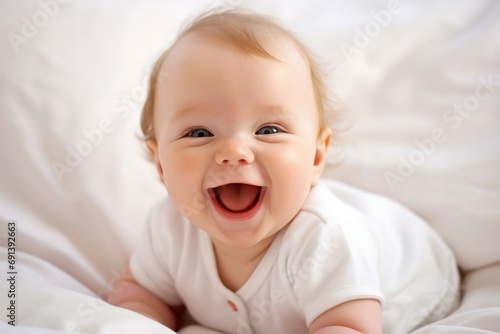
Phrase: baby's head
[235,122]
[249,34]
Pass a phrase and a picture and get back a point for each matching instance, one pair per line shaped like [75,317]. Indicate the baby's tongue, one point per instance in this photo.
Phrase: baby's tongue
[237,196]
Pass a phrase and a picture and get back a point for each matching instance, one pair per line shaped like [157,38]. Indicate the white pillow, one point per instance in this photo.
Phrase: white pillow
[425,98]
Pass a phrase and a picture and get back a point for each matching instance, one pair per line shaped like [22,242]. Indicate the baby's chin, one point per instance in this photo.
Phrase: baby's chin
[243,242]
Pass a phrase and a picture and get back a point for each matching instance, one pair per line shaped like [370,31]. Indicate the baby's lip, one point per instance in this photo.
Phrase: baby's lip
[242,213]
[254,191]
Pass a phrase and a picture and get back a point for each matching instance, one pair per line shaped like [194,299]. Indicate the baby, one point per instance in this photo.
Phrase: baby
[249,240]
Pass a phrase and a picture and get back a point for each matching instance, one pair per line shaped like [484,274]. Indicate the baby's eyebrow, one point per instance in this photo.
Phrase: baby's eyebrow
[275,108]
[280,111]
[184,112]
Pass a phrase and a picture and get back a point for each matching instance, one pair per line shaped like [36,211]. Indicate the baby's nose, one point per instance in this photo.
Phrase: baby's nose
[234,151]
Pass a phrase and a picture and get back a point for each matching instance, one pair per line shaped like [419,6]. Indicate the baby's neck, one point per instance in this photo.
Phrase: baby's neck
[235,266]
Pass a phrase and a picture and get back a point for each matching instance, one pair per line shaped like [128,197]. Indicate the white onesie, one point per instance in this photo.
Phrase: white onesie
[330,253]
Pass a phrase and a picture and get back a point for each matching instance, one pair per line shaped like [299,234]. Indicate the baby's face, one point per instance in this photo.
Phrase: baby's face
[236,138]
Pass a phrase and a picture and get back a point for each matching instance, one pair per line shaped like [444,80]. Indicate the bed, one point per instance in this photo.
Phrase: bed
[418,83]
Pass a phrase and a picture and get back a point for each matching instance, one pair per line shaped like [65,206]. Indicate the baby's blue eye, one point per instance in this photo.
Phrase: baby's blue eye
[267,130]
[199,133]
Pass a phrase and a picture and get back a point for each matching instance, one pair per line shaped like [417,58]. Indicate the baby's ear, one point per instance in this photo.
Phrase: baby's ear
[322,145]
[153,150]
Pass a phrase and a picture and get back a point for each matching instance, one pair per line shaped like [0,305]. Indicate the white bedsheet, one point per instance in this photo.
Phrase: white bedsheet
[419,82]
[50,301]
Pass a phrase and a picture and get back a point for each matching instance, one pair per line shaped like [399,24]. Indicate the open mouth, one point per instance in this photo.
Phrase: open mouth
[237,197]
[237,200]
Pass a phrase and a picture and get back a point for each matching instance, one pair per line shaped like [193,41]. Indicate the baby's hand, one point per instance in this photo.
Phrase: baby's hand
[131,295]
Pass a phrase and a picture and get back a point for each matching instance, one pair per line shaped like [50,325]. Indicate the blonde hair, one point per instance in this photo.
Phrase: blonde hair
[245,32]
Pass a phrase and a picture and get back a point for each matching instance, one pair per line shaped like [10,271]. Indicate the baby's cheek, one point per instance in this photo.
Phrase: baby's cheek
[296,159]
[181,161]
[288,166]
[182,174]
